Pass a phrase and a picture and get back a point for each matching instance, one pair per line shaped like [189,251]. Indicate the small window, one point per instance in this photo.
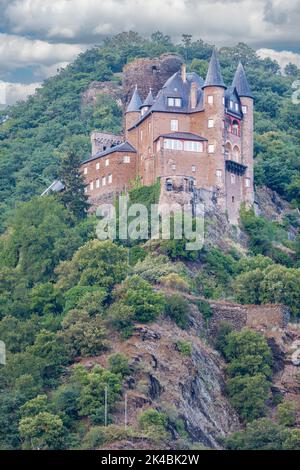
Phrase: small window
[244,109]
[107,162]
[247,182]
[210,123]
[211,148]
[97,183]
[232,199]
[219,175]
[236,106]
[97,166]
[85,170]
[85,189]
[174,125]
[173,166]
[232,178]
[158,146]
[210,99]
[141,135]
[174,102]
[223,100]
[191,146]
[110,179]
[172,144]
[126,159]
[149,127]
[91,185]
[231,104]
[103,181]
[193,168]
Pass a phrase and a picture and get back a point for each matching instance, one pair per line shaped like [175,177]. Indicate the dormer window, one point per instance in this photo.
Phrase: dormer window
[175,102]
[231,104]
[236,106]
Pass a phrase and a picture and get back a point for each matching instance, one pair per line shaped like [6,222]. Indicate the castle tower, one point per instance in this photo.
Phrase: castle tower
[213,101]
[241,84]
[147,103]
[132,112]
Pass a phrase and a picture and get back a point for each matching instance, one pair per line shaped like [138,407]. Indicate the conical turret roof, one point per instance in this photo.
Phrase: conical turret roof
[240,82]
[135,103]
[214,75]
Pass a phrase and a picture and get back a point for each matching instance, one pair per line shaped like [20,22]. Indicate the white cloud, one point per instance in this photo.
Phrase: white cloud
[17,51]
[219,21]
[10,93]
[282,57]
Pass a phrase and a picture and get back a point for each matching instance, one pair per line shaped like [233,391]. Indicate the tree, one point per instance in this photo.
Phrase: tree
[177,309]
[73,196]
[287,413]
[43,431]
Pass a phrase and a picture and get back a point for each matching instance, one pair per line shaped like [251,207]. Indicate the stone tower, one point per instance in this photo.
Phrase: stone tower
[240,82]
[213,101]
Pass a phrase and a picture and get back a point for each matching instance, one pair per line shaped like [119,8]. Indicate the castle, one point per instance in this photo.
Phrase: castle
[195,136]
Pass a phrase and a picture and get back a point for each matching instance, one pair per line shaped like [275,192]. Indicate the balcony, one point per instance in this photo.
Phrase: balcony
[235,167]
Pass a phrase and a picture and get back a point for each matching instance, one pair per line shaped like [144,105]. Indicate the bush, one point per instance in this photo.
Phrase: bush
[154,267]
[97,436]
[221,339]
[141,298]
[204,308]
[174,281]
[184,347]
[43,431]
[120,317]
[118,364]
[177,308]
[287,413]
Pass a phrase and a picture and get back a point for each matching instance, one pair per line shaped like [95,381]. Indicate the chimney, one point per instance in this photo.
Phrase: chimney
[193,95]
[183,72]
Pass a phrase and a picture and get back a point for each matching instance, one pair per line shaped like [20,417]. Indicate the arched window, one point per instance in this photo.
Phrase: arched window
[235,127]
[236,153]
[228,150]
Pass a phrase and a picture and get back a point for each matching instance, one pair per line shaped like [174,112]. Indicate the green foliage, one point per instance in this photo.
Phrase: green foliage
[43,431]
[274,284]
[224,329]
[120,317]
[97,436]
[154,267]
[139,295]
[287,413]
[177,309]
[204,308]
[184,347]
[118,364]
[174,281]
[154,423]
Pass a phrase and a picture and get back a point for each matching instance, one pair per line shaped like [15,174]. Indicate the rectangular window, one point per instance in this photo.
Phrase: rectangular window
[91,185]
[231,104]
[247,182]
[174,102]
[141,134]
[174,125]
[236,106]
[232,177]
[219,175]
[85,170]
[191,146]
[244,109]
[223,100]
[97,166]
[172,144]
[97,183]
[210,99]
[126,159]
[110,179]
[107,162]
[211,148]
[173,167]
[103,181]
[193,168]
[210,123]
[158,146]
[149,127]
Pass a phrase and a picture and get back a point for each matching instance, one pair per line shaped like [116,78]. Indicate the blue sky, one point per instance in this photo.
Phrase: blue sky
[39,36]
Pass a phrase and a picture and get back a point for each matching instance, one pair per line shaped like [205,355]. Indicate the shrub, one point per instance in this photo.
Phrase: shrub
[138,294]
[97,436]
[184,347]
[221,339]
[287,413]
[118,364]
[42,431]
[204,308]
[177,308]
[155,266]
[174,281]
[154,423]
[120,317]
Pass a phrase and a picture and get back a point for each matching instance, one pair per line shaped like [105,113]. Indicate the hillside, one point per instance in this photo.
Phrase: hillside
[202,346]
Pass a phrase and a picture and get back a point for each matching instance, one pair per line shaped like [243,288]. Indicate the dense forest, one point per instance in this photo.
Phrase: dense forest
[65,295]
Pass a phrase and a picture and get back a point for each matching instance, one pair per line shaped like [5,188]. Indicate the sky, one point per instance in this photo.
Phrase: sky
[37,37]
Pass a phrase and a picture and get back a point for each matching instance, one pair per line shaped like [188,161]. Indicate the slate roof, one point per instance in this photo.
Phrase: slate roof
[124,147]
[240,82]
[175,87]
[214,75]
[149,100]
[135,103]
[183,135]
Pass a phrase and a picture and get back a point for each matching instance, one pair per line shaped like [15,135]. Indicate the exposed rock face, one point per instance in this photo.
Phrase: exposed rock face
[112,89]
[192,388]
[149,73]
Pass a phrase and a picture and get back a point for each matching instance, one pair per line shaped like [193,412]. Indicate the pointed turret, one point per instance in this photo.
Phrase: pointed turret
[149,100]
[214,75]
[135,102]
[240,82]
